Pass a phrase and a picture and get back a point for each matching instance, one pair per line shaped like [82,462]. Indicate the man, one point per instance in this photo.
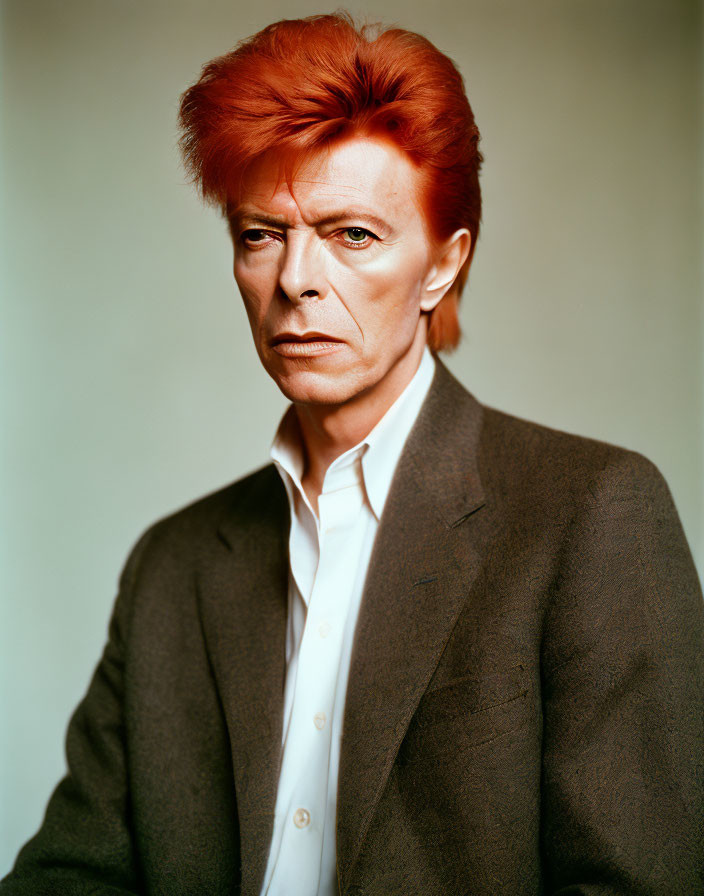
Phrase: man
[432,648]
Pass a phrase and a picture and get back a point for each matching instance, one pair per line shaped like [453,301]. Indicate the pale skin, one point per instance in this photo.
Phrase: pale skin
[338,274]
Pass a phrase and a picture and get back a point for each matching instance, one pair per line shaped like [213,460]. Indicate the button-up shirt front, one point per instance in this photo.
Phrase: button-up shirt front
[328,556]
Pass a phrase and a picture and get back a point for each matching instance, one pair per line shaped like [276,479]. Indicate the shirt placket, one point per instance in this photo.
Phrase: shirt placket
[307,750]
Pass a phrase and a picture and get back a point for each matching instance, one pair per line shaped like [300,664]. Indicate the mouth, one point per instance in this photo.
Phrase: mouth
[300,345]
[303,337]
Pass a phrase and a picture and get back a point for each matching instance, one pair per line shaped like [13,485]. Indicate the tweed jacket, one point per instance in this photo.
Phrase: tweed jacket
[525,709]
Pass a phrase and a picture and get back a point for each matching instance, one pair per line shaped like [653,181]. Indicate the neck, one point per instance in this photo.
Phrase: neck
[330,430]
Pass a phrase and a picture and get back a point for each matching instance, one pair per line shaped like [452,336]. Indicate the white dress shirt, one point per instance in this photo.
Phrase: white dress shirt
[328,560]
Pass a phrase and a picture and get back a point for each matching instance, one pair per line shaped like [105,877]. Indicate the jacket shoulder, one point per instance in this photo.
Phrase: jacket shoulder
[518,452]
[180,533]
[519,456]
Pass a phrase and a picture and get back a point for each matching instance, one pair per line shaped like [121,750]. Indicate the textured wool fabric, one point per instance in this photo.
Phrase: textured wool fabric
[525,710]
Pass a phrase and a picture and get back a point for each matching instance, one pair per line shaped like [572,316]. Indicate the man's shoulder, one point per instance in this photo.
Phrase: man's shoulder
[206,518]
[513,452]
[531,441]
[510,447]
[520,455]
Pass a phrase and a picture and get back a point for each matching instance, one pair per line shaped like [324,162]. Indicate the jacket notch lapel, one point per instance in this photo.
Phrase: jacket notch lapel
[421,570]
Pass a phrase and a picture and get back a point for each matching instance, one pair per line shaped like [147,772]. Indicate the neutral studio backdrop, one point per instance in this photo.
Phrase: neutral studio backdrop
[128,382]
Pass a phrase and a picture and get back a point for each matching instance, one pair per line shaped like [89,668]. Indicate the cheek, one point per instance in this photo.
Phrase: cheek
[383,296]
[253,284]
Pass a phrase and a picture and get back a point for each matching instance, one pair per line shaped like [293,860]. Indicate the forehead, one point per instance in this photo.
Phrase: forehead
[358,174]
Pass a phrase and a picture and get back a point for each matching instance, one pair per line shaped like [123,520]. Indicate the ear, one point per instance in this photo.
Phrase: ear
[450,257]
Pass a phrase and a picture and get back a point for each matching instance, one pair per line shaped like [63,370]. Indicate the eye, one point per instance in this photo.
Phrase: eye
[255,237]
[357,237]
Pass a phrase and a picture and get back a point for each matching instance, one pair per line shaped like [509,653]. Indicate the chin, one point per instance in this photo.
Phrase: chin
[309,387]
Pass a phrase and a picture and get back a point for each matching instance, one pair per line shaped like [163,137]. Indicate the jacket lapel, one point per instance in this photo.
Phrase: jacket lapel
[421,570]
[243,606]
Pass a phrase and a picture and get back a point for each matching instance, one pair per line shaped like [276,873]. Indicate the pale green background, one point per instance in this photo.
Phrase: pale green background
[128,382]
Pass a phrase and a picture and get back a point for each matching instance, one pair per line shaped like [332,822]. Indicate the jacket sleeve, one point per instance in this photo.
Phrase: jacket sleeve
[623,697]
[85,845]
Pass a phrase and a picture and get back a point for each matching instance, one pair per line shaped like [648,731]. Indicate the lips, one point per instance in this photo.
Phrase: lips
[305,345]
[303,337]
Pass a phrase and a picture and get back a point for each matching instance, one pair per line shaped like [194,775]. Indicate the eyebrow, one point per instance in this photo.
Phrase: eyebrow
[356,215]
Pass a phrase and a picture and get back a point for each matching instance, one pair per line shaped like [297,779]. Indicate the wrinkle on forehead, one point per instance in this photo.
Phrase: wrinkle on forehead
[366,169]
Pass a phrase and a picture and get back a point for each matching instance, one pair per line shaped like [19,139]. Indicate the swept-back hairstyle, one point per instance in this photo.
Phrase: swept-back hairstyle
[298,85]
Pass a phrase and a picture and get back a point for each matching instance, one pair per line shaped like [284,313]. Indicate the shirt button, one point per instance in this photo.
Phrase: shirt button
[319,720]
[324,629]
[301,818]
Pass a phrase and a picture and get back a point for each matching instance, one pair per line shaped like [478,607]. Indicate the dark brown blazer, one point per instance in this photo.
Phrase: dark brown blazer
[525,711]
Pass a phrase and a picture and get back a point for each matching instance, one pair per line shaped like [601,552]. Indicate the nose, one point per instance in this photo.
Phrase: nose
[300,276]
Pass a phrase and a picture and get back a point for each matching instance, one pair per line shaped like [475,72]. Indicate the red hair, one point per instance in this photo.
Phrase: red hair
[298,85]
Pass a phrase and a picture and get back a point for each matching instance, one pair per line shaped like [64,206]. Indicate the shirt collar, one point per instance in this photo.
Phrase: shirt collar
[379,452]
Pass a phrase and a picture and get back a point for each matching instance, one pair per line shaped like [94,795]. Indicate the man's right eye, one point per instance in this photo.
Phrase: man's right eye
[254,235]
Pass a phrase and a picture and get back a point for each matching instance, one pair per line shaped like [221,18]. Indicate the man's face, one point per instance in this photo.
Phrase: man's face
[333,271]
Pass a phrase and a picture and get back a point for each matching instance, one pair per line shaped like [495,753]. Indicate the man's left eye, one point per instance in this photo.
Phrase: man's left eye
[357,236]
